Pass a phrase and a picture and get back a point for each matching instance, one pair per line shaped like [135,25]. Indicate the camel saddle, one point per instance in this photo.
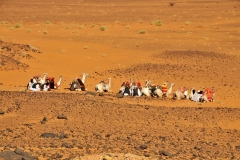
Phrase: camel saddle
[182,89]
[209,92]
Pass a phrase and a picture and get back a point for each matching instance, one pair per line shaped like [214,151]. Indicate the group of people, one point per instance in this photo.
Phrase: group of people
[45,83]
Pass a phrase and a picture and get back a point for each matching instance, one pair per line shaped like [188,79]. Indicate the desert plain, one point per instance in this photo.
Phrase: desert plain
[191,43]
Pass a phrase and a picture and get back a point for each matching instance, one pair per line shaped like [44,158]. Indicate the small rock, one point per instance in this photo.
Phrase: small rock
[119,95]
[19,151]
[197,148]
[107,157]
[64,144]
[237,147]
[62,135]
[146,154]
[49,135]
[164,153]
[1,112]
[90,93]
[10,155]
[143,146]
[101,94]
[44,120]
[59,156]
[62,117]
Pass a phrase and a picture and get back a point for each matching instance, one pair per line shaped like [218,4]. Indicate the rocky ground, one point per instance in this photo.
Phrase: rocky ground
[78,125]
[191,43]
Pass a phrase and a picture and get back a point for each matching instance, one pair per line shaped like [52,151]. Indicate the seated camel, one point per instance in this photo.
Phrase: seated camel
[163,91]
[37,82]
[78,84]
[208,95]
[131,89]
[51,84]
[103,86]
[146,89]
[181,93]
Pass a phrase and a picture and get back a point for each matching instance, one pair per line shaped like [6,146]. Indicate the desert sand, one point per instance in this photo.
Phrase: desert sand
[191,43]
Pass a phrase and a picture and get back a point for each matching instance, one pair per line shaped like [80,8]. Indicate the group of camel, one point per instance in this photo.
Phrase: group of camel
[45,83]
[135,89]
[163,92]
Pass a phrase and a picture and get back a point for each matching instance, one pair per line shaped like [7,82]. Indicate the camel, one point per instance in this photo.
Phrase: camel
[77,84]
[181,93]
[122,88]
[39,79]
[159,91]
[103,86]
[125,88]
[192,92]
[135,89]
[170,89]
[52,84]
[146,90]
[195,96]
[130,89]
[42,80]
[208,95]
[85,75]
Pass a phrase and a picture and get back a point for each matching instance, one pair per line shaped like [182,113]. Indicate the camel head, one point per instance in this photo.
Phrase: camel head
[85,74]
[165,84]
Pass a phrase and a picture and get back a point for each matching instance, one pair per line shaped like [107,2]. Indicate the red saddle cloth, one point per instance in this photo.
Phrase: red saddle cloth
[209,92]
[52,83]
[182,89]
[164,89]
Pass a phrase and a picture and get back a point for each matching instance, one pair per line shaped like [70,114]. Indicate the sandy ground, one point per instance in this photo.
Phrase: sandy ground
[196,45]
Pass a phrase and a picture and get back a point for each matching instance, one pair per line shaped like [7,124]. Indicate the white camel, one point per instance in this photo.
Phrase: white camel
[85,75]
[195,96]
[170,89]
[158,91]
[191,93]
[103,87]
[181,93]
[40,80]
[146,90]
[59,81]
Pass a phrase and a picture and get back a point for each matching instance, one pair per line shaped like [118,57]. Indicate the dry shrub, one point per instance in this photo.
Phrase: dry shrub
[142,32]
